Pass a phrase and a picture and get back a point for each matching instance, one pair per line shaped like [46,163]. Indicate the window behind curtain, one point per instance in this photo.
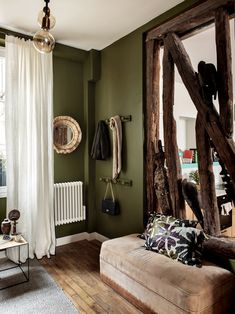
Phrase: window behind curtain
[2,126]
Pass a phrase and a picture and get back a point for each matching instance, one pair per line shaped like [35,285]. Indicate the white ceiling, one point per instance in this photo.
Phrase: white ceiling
[202,46]
[85,24]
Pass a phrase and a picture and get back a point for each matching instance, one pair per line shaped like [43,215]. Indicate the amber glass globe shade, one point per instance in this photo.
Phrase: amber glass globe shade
[52,19]
[43,41]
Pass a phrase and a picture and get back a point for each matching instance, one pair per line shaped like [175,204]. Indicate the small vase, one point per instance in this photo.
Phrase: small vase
[6,226]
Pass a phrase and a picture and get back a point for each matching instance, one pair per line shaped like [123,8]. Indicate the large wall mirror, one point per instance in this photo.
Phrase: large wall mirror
[67,134]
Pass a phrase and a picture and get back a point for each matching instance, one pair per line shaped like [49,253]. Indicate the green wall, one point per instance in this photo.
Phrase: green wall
[89,92]
[75,74]
[120,91]
[69,101]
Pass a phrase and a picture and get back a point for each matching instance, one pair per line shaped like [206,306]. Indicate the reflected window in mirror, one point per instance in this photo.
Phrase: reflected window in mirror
[67,134]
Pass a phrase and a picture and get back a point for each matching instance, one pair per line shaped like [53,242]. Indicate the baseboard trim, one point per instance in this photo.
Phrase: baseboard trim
[79,237]
[97,236]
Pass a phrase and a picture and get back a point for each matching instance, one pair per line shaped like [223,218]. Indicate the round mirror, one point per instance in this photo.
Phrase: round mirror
[67,134]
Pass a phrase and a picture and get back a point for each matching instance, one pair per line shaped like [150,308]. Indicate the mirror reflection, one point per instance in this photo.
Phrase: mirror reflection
[67,134]
[63,135]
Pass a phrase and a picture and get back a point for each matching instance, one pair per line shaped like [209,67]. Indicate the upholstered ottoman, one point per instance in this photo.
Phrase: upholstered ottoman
[158,284]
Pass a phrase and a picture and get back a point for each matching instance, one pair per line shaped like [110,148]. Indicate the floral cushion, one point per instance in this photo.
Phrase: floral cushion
[155,220]
[177,242]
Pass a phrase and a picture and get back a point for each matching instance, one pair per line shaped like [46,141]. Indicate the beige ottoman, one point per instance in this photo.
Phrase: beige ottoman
[158,284]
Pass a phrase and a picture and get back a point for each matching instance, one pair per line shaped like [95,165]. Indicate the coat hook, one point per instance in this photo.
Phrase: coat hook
[124,182]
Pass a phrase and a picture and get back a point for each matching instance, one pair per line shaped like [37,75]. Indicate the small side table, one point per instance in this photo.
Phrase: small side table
[13,244]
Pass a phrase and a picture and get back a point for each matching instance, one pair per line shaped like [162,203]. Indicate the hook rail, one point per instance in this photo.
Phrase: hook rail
[125,182]
[123,119]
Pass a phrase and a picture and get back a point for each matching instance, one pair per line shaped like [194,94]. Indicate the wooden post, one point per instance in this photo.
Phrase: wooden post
[224,146]
[170,142]
[161,182]
[207,180]
[222,247]
[152,118]
[224,61]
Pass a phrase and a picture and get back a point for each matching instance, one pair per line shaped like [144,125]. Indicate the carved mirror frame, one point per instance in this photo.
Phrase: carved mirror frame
[76,134]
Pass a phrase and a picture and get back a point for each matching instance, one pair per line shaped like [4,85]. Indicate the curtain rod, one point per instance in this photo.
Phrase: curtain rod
[13,33]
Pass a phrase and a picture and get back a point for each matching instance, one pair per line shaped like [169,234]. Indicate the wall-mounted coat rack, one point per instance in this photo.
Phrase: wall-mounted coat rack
[125,182]
[123,119]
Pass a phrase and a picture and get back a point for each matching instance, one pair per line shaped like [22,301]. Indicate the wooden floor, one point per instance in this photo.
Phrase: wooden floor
[75,267]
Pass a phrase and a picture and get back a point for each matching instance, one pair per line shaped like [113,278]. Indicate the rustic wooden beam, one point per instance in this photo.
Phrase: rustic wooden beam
[161,182]
[224,61]
[152,118]
[187,22]
[219,247]
[170,142]
[208,115]
[207,180]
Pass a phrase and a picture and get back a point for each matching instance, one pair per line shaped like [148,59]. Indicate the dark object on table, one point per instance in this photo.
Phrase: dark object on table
[14,215]
[101,144]
[6,226]
[207,76]
[190,194]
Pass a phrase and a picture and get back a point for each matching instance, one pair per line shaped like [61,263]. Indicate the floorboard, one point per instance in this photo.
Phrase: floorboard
[75,268]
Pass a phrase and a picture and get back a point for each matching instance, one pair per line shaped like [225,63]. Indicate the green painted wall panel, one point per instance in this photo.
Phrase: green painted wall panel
[120,91]
[69,100]
[69,229]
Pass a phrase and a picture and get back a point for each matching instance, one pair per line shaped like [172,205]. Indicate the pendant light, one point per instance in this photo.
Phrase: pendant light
[43,41]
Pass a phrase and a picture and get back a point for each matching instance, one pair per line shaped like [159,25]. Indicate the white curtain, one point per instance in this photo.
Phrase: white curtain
[29,143]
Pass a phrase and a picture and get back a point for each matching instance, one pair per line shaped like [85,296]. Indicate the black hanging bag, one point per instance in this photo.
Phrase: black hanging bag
[110,206]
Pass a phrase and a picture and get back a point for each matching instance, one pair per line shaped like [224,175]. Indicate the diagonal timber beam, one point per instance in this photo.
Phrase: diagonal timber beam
[207,180]
[170,141]
[208,115]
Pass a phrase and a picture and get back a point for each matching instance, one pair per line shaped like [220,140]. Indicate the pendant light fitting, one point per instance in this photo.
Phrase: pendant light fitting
[43,41]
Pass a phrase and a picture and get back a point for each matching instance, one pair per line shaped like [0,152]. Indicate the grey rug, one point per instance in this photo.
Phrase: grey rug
[40,295]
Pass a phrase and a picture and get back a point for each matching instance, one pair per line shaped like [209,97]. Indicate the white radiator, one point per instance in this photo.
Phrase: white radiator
[68,203]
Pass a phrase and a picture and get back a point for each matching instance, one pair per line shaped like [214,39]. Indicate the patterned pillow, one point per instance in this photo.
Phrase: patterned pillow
[155,221]
[177,242]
